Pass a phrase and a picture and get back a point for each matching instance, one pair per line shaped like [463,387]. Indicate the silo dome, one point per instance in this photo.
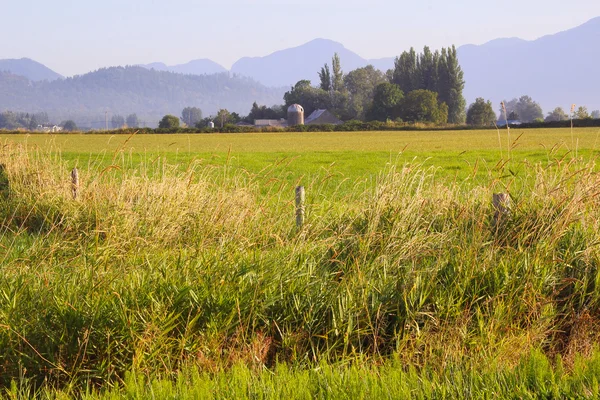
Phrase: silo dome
[295,108]
[295,115]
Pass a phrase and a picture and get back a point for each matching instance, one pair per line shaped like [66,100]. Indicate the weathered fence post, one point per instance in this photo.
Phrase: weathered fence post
[502,207]
[3,179]
[75,182]
[300,196]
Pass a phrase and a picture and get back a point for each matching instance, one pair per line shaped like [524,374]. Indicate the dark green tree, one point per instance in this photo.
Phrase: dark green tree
[309,97]
[360,85]
[69,126]
[169,122]
[406,73]
[428,65]
[8,120]
[386,102]
[117,121]
[524,109]
[132,121]
[582,113]
[451,84]
[223,118]
[481,113]
[337,78]
[33,123]
[204,122]
[264,112]
[191,116]
[558,114]
[325,77]
[422,106]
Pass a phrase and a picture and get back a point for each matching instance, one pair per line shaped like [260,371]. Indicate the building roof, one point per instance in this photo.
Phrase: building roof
[322,117]
[270,122]
[510,122]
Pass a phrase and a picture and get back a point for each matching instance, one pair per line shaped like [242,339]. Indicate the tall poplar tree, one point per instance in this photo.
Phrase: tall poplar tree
[451,84]
[428,65]
[325,77]
[337,80]
[406,72]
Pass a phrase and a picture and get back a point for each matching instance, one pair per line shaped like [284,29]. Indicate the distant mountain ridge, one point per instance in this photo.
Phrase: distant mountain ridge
[30,69]
[123,90]
[555,70]
[286,67]
[195,67]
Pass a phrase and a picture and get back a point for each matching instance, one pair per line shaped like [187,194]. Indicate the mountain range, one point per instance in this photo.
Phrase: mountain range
[195,67]
[150,94]
[30,69]
[555,70]
[286,67]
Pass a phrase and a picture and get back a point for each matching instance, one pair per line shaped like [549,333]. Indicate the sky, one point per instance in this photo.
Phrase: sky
[77,36]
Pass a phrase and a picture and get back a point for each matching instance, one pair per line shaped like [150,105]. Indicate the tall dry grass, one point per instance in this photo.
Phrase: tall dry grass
[155,267]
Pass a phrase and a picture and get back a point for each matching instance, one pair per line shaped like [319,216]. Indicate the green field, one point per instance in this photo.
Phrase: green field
[178,270]
[345,156]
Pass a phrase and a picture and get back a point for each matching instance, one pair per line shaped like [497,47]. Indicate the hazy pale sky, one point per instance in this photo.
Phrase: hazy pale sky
[77,36]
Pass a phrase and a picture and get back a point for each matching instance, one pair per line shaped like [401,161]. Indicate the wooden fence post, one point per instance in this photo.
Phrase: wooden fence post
[3,179]
[300,196]
[502,207]
[75,182]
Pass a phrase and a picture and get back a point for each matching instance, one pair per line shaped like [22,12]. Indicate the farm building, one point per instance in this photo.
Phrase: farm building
[49,128]
[502,122]
[319,117]
[282,123]
[296,117]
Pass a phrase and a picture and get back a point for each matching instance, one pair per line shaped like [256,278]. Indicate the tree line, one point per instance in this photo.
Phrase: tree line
[424,87]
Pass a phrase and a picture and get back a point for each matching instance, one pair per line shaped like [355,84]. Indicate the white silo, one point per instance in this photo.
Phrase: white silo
[295,115]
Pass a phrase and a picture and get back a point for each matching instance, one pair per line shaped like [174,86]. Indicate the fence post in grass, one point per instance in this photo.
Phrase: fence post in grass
[300,196]
[502,207]
[74,182]
[3,179]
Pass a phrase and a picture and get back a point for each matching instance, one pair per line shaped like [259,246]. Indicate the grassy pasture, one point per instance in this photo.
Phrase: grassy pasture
[178,271]
[350,149]
[343,157]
